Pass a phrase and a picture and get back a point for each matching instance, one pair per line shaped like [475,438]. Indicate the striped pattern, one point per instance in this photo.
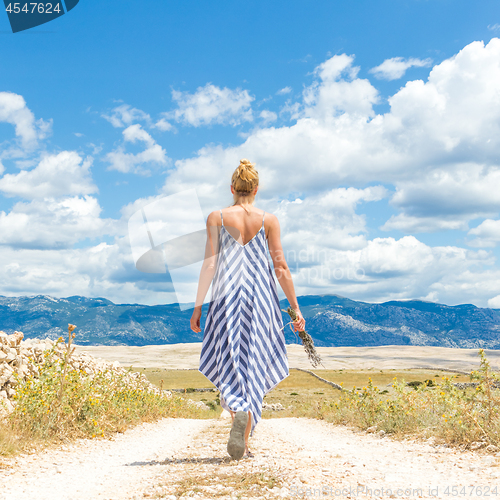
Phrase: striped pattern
[243,351]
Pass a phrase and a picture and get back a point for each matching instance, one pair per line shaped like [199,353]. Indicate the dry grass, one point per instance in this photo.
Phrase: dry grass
[175,379]
[382,378]
[300,393]
[451,415]
[61,405]
[64,403]
[227,484]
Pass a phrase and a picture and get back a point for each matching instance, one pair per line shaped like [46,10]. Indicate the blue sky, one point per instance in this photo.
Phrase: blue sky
[374,125]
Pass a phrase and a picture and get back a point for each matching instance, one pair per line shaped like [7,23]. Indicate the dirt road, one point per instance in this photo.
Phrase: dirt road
[294,458]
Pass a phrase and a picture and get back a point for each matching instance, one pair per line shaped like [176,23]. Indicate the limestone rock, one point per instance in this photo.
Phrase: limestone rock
[476,445]
[20,359]
[272,406]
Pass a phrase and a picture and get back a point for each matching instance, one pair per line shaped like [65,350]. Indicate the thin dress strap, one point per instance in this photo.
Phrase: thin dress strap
[221,219]
[263,218]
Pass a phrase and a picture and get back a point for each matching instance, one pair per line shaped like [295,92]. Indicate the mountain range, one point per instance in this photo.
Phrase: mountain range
[331,320]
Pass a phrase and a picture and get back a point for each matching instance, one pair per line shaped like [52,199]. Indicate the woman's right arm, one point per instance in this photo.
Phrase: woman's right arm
[207,269]
[282,270]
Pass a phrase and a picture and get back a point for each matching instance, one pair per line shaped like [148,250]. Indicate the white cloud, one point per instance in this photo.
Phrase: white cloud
[494,303]
[327,220]
[125,162]
[446,199]
[62,174]
[135,133]
[438,145]
[211,104]
[13,110]
[394,68]
[163,125]
[103,270]
[410,224]
[332,69]
[437,149]
[285,90]
[381,269]
[391,269]
[467,188]
[124,115]
[268,116]
[293,109]
[487,234]
[339,91]
[53,223]
[494,27]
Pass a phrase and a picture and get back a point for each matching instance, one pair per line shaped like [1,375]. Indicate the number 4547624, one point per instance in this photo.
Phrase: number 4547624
[33,7]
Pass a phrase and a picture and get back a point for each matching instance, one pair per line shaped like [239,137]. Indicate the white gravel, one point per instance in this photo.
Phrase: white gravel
[337,458]
[311,458]
[98,468]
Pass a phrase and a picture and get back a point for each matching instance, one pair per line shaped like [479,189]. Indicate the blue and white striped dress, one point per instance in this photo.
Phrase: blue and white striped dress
[243,351]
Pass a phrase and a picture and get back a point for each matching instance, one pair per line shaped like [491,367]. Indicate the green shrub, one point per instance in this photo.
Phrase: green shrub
[444,411]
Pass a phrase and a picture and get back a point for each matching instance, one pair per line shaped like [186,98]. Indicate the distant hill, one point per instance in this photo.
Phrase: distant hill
[331,321]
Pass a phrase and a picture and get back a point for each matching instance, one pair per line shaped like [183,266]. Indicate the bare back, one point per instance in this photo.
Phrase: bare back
[243,226]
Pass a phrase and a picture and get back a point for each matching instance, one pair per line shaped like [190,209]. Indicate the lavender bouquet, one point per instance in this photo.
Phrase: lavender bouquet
[307,341]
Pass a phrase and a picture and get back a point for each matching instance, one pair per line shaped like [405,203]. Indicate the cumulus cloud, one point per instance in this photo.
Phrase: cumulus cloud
[438,145]
[475,187]
[395,68]
[212,105]
[124,115]
[62,174]
[396,269]
[487,234]
[381,269]
[163,125]
[494,302]
[339,91]
[327,220]
[446,199]
[153,154]
[102,270]
[53,223]
[436,150]
[13,110]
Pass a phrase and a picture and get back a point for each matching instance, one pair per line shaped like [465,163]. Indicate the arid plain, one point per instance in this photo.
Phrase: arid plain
[185,356]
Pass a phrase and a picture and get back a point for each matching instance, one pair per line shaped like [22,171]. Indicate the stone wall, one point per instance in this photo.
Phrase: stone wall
[23,358]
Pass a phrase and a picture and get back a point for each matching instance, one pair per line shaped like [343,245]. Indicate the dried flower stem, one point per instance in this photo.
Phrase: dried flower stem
[307,341]
[67,355]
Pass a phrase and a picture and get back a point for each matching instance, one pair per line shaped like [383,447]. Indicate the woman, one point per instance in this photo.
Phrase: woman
[243,352]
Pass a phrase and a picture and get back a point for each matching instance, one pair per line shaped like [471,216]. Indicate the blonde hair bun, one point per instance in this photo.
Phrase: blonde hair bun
[245,178]
[244,161]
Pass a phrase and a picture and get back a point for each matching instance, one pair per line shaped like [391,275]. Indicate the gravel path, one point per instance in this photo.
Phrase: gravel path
[294,458]
[97,468]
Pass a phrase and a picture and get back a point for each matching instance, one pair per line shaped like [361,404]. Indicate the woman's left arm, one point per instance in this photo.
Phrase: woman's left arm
[207,269]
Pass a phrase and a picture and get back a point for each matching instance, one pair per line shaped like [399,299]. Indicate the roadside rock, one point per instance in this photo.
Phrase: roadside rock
[21,359]
[273,406]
